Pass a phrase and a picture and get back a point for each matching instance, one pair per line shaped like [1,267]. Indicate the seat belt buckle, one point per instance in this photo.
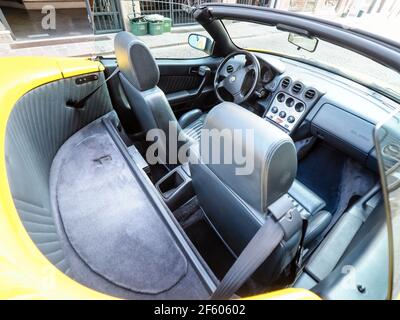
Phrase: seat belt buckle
[286,214]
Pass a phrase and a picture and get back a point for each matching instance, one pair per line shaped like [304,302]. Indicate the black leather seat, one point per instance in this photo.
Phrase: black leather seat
[311,206]
[237,205]
[139,78]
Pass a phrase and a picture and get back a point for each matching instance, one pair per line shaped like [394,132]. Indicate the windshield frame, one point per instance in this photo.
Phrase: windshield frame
[375,48]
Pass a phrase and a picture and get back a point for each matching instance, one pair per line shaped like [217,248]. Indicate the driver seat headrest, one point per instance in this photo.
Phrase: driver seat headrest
[274,154]
[136,62]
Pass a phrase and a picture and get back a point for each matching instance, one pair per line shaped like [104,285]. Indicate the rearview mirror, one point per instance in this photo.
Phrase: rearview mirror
[201,43]
[303,42]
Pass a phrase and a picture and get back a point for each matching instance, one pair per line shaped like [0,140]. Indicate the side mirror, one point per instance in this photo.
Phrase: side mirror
[303,42]
[200,42]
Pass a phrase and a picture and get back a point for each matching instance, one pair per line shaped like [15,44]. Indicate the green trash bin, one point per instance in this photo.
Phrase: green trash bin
[139,27]
[138,24]
[167,23]
[155,27]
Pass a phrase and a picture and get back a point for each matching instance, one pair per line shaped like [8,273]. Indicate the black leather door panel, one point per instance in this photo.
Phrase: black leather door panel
[183,66]
[174,83]
[179,81]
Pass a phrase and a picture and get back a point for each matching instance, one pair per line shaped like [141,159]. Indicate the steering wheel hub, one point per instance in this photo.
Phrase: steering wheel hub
[237,83]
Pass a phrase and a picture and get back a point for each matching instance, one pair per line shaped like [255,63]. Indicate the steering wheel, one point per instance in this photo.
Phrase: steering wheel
[240,83]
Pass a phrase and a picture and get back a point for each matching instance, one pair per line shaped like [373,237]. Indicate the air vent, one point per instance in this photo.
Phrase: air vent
[297,87]
[285,83]
[310,94]
[229,69]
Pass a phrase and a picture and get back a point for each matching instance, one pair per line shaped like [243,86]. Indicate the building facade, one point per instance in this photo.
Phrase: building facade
[343,8]
[23,20]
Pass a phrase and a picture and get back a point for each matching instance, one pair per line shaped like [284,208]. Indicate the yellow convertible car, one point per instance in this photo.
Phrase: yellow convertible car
[261,173]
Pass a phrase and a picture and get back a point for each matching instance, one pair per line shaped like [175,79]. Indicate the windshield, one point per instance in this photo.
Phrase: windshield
[252,36]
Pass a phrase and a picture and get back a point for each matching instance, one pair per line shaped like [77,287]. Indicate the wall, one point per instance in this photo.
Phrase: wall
[387,8]
[58,4]
[127,9]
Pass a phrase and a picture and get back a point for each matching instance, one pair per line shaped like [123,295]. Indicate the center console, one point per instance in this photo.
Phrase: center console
[176,187]
[291,102]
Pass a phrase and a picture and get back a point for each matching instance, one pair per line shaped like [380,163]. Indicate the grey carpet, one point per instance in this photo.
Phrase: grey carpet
[108,219]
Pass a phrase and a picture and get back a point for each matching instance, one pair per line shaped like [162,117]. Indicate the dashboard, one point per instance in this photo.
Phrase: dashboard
[306,101]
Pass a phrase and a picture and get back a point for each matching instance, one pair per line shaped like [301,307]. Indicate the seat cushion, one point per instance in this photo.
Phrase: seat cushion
[316,225]
[307,198]
[310,206]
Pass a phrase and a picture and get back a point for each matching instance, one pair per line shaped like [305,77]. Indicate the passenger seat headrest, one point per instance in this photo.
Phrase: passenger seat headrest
[274,154]
[135,61]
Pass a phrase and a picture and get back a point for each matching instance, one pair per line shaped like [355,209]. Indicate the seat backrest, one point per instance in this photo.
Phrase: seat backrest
[139,78]
[236,205]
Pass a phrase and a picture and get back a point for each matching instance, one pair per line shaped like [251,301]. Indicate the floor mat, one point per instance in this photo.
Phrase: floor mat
[214,251]
[334,176]
[192,219]
[211,248]
[189,213]
[321,171]
[110,222]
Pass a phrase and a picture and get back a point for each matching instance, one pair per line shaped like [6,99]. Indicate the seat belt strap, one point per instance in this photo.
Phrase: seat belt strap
[298,260]
[81,103]
[254,254]
[299,253]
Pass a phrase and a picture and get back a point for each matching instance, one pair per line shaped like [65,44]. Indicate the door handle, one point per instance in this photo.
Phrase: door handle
[204,72]
[194,70]
[201,71]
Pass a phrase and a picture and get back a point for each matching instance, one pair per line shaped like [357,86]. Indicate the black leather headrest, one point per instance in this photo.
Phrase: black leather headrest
[274,154]
[135,61]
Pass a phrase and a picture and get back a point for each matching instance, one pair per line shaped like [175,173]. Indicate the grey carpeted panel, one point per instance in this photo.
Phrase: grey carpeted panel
[122,215]
[109,220]
[38,125]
